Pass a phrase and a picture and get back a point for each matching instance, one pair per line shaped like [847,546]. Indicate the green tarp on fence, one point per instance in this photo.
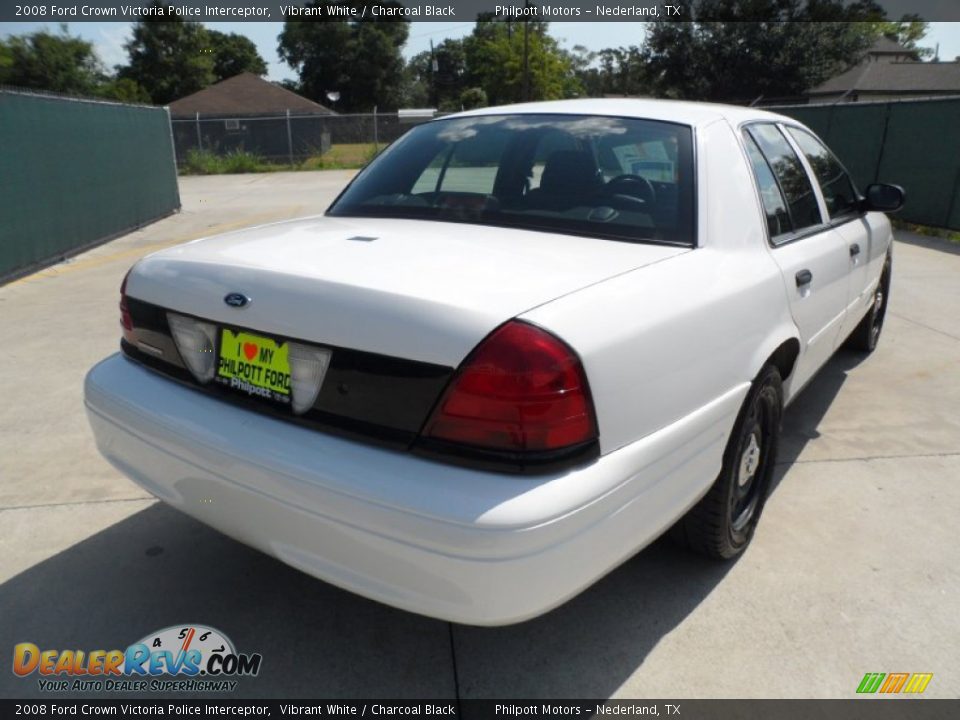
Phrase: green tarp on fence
[76,172]
[913,143]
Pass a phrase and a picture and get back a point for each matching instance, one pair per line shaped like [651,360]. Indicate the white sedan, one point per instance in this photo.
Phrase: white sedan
[523,343]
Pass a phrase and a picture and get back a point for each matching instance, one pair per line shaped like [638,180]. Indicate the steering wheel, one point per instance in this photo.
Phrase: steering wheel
[633,185]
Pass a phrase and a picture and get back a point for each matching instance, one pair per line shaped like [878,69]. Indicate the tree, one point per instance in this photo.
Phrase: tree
[359,58]
[234,54]
[169,58]
[44,61]
[473,98]
[908,31]
[623,71]
[514,61]
[123,90]
[438,75]
[807,43]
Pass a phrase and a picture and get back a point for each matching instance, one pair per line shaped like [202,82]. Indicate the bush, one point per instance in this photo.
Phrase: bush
[201,162]
[207,162]
[240,161]
[473,97]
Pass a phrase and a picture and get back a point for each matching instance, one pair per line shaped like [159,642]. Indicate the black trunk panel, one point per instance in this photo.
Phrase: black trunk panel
[363,394]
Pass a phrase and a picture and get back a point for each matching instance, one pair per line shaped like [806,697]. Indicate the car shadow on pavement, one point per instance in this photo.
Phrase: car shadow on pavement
[160,568]
[802,418]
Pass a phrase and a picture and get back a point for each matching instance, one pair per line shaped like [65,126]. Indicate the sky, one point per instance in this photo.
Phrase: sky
[109,37]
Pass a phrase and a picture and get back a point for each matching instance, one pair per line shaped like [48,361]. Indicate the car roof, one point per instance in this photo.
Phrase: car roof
[677,111]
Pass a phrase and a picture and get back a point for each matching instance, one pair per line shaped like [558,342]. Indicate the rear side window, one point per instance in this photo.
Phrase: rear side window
[838,190]
[792,178]
[774,206]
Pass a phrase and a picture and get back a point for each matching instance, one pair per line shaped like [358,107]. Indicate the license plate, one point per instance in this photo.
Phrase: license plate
[254,365]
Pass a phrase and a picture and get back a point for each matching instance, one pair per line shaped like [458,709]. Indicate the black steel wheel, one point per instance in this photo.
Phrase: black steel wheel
[722,523]
[866,335]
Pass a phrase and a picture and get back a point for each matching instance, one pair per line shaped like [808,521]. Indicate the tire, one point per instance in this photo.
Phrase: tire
[721,525]
[866,335]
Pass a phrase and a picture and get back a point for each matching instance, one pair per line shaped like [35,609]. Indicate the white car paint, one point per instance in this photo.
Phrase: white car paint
[670,339]
[401,290]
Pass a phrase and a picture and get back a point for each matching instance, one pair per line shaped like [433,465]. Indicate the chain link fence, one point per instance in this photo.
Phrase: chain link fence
[288,137]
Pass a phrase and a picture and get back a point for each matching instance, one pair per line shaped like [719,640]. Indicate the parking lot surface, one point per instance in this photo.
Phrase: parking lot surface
[855,567]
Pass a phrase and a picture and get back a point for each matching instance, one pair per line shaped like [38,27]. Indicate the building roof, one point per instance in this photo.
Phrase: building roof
[886,46]
[913,78]
[244,94]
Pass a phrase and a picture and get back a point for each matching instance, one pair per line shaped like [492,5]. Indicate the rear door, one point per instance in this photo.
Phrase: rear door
[842,203]
[813,258]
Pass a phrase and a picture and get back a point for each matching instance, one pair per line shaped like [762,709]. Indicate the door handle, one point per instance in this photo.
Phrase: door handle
[804,277]
[854,250]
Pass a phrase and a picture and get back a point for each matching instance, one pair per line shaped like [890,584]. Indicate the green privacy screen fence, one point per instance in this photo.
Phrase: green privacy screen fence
[912,143]
[76,172]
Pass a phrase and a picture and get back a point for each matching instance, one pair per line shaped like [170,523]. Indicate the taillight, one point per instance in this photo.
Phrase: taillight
[195,340]
[125,320]
[521,389]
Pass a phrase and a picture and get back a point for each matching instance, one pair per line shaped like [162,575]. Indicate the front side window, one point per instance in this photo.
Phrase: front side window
[791,176]
[838,190]
[605,177]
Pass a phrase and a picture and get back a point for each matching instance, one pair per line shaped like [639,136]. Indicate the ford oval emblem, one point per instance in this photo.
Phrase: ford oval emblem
[236,300]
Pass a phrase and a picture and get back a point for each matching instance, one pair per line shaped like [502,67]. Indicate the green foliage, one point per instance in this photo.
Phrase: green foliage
[343,156]
[234,54]
[473,98]
[908,32]
[440,87]
[494,55]
[360,59]
[123,90]
[623,71]
[739,61]
[169,58]
[206,162]
[349,156]
[44,61]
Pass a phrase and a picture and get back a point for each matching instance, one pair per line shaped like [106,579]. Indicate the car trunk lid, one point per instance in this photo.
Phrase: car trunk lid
[421,290]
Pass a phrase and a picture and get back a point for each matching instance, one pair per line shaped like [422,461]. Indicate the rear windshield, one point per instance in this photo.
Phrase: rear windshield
[607,177]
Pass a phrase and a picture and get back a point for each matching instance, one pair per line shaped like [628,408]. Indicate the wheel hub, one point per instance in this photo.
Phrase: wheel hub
[749,461]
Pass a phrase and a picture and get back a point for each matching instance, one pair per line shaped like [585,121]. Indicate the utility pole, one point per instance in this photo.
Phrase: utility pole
[526,54]
[434,68]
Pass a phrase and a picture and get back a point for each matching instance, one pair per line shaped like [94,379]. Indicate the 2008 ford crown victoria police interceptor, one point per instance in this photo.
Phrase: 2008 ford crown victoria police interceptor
[522,343]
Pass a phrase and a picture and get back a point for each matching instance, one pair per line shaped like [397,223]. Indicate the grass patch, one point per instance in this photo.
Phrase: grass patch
[205,162]
[926,230]
[348,156]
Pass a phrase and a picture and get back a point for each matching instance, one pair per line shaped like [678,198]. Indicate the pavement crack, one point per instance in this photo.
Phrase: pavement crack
[924,325]
[77,502]
[869,457]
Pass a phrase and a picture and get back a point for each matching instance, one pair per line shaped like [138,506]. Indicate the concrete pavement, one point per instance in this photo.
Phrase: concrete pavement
[854,568]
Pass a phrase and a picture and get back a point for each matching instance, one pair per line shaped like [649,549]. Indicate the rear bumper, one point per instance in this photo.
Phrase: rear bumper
[448,542]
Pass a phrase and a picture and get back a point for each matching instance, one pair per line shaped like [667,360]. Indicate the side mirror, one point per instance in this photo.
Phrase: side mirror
[886,198]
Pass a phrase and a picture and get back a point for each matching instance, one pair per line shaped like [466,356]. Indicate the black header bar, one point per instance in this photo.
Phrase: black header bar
[423,11]
[862,709]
